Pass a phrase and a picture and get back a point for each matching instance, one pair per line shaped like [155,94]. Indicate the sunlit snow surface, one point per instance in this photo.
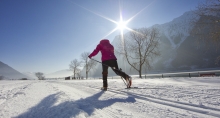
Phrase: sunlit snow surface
[155,98]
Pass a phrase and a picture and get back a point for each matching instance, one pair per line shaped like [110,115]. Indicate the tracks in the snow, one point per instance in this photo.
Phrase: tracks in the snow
[87,104]
[16,90]
[209,111]
[199,109]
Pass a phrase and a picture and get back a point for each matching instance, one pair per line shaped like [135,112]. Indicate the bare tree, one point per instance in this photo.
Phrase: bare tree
[207,28]
[74,66]
[88,64]
[78,74]
[139,47]
[40,75]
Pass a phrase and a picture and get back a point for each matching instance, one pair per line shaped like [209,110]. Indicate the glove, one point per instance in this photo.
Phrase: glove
[90,57]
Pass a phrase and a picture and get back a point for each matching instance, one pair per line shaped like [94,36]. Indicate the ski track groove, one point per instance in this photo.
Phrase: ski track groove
[198,109]
[194,105]
[195,108]
[171,92]
[178,91]
[194,93]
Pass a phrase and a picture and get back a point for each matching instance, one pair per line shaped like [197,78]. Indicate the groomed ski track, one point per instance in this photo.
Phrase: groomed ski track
[83,98]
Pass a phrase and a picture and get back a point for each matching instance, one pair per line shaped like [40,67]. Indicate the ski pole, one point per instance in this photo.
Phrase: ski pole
[98,62]
[108,66]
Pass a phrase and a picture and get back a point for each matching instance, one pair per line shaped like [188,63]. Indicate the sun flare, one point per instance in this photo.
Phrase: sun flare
[121,25]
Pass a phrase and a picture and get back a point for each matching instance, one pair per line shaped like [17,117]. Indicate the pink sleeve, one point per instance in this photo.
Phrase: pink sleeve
[95,52]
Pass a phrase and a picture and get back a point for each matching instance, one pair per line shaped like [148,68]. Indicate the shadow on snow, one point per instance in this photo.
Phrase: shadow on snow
[47,109]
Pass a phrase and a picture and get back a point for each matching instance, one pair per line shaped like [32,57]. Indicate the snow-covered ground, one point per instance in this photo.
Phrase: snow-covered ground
[155,98]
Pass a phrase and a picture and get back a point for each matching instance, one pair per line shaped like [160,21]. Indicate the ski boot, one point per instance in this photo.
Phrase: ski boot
[128,81]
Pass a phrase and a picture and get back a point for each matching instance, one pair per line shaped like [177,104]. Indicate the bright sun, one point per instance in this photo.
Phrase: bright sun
[121,25]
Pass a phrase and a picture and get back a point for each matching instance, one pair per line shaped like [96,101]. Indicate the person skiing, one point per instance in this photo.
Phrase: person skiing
[108,60]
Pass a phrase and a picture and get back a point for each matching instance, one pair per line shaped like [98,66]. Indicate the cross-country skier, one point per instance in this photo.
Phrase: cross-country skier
[108,58]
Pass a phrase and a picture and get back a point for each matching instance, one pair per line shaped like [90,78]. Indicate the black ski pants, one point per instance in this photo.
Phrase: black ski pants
[114,65]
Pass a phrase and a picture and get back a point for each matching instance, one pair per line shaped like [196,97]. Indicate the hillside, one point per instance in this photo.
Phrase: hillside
[184,50]
[8,72]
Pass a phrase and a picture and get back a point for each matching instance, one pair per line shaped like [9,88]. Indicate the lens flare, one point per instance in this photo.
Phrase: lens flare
[120,25]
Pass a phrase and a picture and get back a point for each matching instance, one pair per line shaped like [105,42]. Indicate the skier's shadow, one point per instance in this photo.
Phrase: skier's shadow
[48,109]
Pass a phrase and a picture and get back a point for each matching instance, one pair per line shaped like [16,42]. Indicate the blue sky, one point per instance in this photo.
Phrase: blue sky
[45,35]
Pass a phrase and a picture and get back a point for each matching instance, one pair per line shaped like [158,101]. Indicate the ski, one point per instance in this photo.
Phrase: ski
[135,88]
[142,88]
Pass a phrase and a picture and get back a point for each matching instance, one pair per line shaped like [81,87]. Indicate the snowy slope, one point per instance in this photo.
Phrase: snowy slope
[176,32]
[158,98]
[178,29]
[10,73]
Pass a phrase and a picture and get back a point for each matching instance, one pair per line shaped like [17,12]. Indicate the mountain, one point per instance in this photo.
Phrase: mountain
[179,48]
[182,50]
[59,74]
[7,72]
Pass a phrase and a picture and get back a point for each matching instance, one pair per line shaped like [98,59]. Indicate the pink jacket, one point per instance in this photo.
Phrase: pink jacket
[107,50]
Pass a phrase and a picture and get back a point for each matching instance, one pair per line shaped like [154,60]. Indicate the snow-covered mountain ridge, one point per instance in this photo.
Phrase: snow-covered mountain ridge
[178,29]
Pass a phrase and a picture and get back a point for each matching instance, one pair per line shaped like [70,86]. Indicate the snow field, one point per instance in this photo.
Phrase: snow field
[155,98]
